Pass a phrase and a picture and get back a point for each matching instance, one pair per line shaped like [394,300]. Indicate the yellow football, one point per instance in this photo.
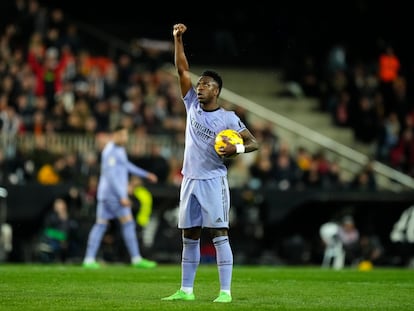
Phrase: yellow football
[233,137]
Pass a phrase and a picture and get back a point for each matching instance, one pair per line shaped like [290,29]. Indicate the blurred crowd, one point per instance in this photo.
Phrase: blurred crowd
[372,97]
[52,84]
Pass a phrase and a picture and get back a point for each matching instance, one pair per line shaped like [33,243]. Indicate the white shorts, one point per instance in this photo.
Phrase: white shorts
[204,203]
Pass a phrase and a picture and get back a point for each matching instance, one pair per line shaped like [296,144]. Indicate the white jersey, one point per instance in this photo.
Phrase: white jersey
[200,159]
[115,169]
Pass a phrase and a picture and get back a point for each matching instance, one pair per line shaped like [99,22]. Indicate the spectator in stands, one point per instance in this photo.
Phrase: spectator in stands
[365,123]
[312,178]
[309,76]
[388,136]
[124,71]
[261,170]
[6,168]
[155,162]
[335,85]
[402,103]
[303,158]
[49,173]
[238,173]
[70,172]
[151,121]
[70,37]
[59,239]
[88,197]
[285,171]
[10,122]
[389,68]
[32,17]
[56,20]
[340,109]
[48,65]
[402,154]
[333,180]
[337,58]
[365,179]
[40,154]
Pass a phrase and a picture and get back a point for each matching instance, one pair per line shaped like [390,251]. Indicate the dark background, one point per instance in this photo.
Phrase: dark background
[275,34]
[264,33]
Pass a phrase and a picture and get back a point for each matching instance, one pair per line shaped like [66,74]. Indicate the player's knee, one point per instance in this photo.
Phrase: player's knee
[129,223]
[126,219]
[192,233]
[216,232]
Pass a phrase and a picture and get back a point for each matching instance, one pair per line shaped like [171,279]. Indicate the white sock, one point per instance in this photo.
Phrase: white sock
[225,291]
[187,290]
[89,260]
[136,259]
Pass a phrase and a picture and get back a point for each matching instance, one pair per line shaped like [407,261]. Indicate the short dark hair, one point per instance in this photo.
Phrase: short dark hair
[216,77]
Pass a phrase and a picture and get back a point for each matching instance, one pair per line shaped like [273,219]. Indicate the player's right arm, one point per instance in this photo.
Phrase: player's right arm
[180,60]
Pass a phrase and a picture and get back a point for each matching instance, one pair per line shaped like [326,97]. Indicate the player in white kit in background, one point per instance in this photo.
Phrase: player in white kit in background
[113,200]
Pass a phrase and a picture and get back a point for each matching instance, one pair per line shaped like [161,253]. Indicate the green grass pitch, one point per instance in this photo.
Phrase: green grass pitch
[121,287]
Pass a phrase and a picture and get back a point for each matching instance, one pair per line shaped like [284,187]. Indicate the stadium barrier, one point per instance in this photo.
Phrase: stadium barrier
[280,214]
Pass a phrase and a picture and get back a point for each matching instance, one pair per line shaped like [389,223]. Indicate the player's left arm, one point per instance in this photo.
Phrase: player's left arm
[250,142]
